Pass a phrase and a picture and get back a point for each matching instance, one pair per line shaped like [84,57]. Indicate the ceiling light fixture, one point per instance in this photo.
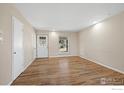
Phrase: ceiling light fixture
[98,25]
[95,22]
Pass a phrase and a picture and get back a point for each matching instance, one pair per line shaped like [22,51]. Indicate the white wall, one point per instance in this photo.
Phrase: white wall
[6,13]
[103,43]
[54,39]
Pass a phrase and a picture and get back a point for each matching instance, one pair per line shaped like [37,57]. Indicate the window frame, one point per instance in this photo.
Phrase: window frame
[64,52]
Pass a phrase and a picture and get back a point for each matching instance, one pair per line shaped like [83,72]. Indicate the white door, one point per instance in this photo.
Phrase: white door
[17,47]
[42,46]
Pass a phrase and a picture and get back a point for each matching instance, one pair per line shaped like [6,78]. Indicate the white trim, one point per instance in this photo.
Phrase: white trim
[12,48]
[63,56]
[22,70]
[28,65]
[94,61]
[9,84]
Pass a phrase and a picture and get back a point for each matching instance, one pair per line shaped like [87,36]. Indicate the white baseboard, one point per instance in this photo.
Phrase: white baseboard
[10,83]
[27,65]
[22,70]
[94,61]
[63,56]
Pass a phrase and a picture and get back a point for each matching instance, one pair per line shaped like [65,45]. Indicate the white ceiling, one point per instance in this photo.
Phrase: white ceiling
[67,17]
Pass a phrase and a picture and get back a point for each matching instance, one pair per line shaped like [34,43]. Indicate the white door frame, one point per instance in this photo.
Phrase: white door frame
[47,44]
[12,52]
[34,44]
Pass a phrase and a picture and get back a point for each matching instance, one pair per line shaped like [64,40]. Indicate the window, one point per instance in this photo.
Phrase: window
[42,41]
[63,44]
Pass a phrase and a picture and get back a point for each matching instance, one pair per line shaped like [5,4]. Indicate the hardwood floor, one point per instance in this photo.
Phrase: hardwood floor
[68,71]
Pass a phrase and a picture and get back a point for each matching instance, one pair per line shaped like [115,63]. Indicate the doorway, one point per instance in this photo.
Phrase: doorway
[17,47]
[42,46]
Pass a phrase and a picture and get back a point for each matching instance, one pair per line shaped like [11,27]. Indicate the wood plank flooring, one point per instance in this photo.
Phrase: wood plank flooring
[68,71]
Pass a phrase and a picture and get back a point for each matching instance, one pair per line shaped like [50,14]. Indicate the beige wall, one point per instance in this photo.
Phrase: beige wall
[101,43]
[53,43]
[6,12]
[104,43]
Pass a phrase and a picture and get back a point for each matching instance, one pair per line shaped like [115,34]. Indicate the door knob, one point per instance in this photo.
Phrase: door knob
[14,53]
